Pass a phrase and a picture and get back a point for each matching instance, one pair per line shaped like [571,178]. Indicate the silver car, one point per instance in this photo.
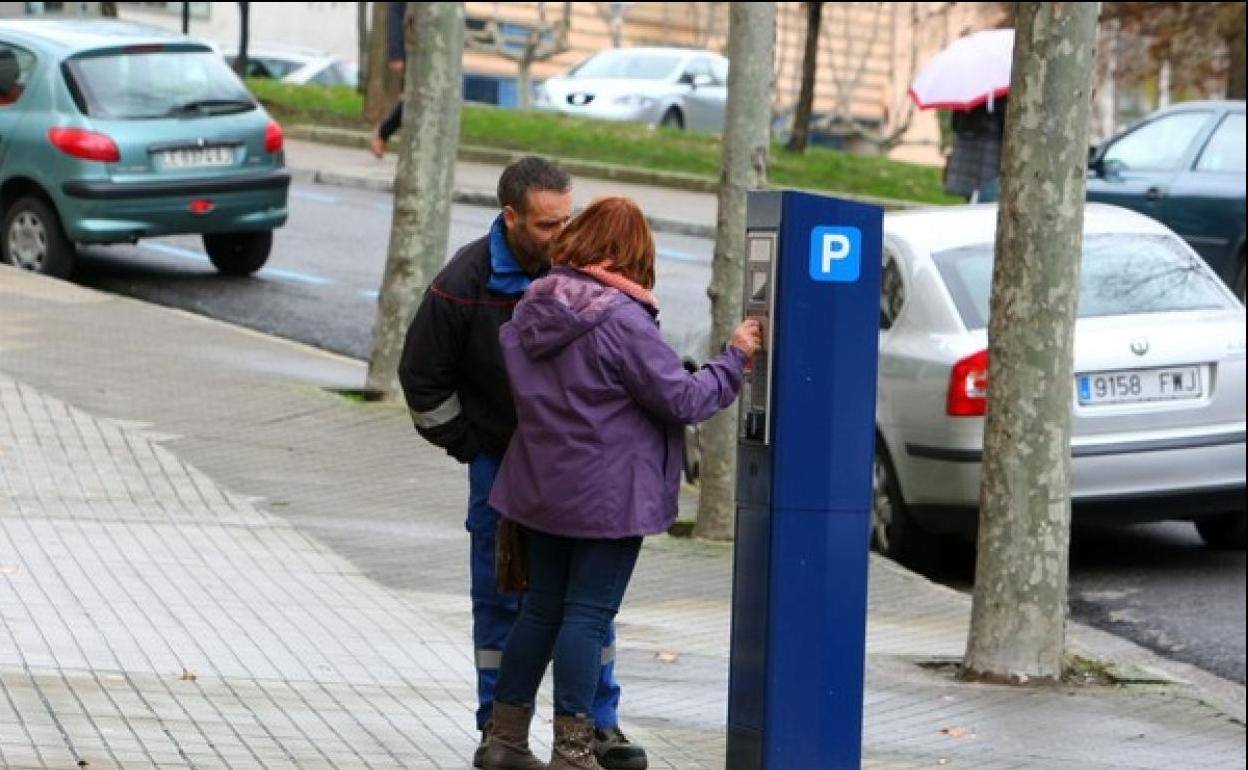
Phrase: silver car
[1158,427]
[673,87]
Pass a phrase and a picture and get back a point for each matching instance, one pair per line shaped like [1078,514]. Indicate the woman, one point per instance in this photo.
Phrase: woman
[594,464]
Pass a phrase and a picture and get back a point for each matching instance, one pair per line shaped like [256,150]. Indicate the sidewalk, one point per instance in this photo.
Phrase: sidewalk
[670,210]
[208,560]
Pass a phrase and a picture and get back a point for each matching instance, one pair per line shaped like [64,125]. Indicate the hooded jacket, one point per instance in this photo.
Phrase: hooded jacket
[601,402]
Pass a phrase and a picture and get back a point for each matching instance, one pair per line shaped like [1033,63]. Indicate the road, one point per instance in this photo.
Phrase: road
[1155,584]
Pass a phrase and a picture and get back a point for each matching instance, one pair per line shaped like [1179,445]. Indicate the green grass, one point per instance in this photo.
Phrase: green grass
[624,144]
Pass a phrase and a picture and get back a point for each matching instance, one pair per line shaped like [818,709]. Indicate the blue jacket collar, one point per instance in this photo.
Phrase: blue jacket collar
[506,275]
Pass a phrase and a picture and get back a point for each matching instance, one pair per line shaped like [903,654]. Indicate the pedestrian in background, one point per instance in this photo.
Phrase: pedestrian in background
[456,387]
[595,463]
[396,61]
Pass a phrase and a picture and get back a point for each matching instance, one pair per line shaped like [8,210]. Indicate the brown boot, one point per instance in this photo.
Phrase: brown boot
[507,742]
[574,744]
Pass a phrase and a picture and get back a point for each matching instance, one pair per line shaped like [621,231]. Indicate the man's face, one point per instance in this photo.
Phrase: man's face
[532,234]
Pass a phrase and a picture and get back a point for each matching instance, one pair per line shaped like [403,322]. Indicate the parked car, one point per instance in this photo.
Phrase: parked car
[111,132]
[1183,166]
[300,66]
[672,87]
[1158,429]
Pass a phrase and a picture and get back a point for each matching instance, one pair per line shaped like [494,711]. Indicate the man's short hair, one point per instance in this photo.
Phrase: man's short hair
[526,174]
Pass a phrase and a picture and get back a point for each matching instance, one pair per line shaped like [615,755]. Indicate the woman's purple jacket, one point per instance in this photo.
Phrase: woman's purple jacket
[601,402]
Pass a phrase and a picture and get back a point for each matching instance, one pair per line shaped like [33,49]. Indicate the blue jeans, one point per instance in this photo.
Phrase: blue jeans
[494,613]
[575,588]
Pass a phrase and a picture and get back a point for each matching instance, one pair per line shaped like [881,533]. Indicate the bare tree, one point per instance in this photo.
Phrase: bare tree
[614,14]
[423,184]
[747,139]
[806,99]
[361,45]
[244,32]
[524,44]
[1019,609]
[382,85]
[851,50]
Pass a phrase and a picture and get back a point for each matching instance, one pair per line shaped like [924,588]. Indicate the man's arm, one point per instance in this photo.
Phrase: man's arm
[429,372]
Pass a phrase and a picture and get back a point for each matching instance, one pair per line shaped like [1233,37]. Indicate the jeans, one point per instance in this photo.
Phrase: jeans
[494,613]
[575,589]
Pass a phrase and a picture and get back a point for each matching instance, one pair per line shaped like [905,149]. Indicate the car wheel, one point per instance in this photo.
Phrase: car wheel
[239,253]
[893,532]
[672,119]
[33,239]
[1223,532]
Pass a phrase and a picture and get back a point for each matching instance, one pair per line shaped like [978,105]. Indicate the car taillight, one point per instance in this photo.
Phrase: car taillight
[273,137]
[968,386]
[88,145]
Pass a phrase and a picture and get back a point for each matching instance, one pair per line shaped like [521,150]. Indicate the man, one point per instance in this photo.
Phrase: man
[456,387]
[396,62]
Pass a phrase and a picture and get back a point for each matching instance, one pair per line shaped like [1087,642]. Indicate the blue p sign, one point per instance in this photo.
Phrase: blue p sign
[835,254]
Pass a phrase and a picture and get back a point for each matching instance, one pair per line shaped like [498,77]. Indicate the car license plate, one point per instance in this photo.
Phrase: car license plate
[197,157]
[1136,385]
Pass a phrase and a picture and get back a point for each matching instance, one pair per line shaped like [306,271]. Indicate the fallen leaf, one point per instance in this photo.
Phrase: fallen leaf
[188,675]
[667,657]
[957,732]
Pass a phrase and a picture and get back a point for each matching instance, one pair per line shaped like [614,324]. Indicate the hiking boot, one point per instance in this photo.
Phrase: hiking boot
[616,752]
[507,740]
[574,744]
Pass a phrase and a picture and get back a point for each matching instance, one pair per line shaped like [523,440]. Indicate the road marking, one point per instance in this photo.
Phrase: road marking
[369,293]
[682,256]
[313,196]
[286,275]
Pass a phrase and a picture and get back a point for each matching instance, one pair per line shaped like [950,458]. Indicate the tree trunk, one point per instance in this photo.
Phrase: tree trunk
[752,39]
[186,18]
[382,88]
[423,184]
[524,83]
[806,98]
[244,29]
[1235,45]
[361,48]
[1019,609]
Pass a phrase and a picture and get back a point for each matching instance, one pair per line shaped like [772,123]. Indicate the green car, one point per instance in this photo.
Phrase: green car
[111,132]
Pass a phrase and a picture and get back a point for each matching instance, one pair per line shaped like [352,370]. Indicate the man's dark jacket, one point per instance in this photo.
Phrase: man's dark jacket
[452,368]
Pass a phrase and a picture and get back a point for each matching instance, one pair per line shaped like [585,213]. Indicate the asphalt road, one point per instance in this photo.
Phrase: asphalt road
[1155,584]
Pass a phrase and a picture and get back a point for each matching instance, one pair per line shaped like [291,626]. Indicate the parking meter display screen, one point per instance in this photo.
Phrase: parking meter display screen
[759,280]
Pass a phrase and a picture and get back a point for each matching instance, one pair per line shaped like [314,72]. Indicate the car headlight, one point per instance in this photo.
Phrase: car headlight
[633,100]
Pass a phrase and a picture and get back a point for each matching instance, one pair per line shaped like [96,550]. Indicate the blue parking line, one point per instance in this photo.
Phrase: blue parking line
[290,275]
[174,251]
[312,196]
[286,275]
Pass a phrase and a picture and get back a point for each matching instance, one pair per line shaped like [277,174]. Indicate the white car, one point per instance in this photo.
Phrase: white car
[1158,428]
[672,87]
[300,66]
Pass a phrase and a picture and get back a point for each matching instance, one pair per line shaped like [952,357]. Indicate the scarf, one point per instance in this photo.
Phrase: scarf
[603,275]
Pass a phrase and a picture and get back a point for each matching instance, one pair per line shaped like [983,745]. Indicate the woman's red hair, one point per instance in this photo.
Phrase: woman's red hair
[611,232]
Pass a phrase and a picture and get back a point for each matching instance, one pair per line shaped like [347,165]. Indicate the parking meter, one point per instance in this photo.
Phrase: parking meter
[805,446]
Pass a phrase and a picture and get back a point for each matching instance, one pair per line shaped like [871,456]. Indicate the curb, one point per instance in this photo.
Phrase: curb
[345,137]
[473,198]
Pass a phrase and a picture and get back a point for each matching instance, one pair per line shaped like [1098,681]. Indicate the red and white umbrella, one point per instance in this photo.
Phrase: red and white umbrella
[972,71]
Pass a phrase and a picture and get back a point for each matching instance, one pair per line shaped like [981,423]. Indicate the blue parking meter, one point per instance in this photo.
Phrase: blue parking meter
[805,447]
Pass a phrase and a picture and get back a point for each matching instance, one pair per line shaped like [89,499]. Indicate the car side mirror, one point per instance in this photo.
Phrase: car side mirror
[702,81]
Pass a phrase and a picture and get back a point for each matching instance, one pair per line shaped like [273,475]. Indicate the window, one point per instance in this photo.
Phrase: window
[719,68]
[156,85]
[1122,274]
[892,290]
[1224,154]
[622,64]
[699,67]
[16,65]
[1159,145]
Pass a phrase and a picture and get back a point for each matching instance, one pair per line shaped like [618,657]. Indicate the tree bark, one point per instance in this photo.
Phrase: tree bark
[244,31]
[1019,608]
[747,138]
[382,87]
[361,47]
[423,184]
[1235,45]
[806,98]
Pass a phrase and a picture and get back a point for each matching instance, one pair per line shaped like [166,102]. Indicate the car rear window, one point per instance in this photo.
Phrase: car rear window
[1122,274]
[156,84]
